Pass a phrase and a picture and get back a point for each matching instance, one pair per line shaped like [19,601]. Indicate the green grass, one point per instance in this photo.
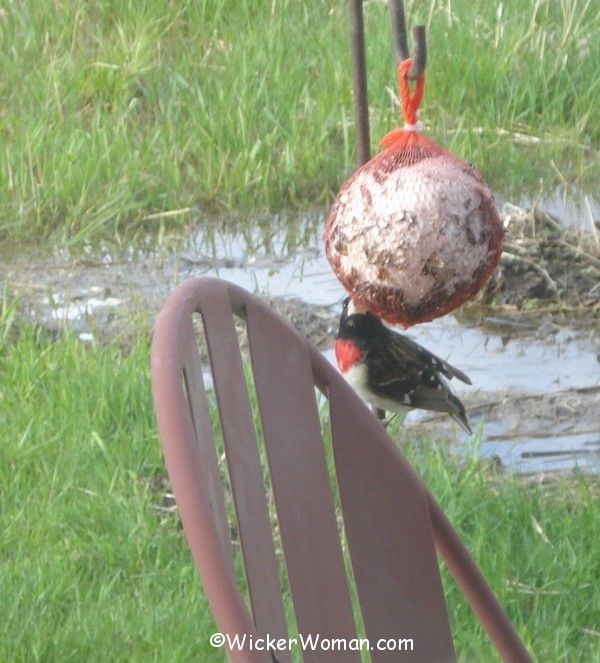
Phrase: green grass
[93,571]
[90,569]
[123,116]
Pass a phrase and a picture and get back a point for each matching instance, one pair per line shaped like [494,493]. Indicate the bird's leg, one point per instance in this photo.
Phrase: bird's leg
[389,420]
[380,414]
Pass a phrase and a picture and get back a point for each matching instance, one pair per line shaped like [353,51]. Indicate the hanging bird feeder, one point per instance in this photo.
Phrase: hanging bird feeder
[415,231]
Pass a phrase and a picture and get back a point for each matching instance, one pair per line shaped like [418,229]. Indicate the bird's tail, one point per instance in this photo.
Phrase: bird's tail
[459,414]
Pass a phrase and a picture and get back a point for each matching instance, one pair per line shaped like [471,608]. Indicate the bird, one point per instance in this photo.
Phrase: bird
[392,372]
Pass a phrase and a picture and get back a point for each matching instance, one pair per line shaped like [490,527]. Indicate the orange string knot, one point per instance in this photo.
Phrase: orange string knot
[410,100]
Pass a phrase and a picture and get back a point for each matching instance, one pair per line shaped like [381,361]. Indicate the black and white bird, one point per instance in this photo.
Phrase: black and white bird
[391,371]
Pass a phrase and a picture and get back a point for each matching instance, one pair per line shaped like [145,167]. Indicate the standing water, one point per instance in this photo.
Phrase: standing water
[536,386]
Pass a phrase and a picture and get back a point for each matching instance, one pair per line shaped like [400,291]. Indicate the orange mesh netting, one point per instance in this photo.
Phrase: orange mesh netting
[410,145]
[414,232]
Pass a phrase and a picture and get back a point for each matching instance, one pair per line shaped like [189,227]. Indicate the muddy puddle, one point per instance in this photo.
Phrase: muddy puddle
[536,377]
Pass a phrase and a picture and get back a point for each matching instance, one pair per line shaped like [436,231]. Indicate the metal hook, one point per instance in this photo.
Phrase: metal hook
[398,20]
[359,75]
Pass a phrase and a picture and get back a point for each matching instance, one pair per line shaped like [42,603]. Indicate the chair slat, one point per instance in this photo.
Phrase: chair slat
[245,472]
[299,477]
[388,529]
[192,374]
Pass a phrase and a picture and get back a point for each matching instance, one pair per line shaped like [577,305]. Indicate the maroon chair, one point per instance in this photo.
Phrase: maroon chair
[389,522]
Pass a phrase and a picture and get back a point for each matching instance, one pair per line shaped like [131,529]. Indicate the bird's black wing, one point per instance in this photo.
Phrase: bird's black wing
[434,361]
[407,373]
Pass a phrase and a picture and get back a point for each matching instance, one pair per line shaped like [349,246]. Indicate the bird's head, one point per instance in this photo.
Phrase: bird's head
[356,321]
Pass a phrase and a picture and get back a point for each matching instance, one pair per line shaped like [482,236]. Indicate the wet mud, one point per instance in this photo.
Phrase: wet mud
[529,342]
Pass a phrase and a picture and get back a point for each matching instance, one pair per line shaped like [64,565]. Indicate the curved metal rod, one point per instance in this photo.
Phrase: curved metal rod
[419,57]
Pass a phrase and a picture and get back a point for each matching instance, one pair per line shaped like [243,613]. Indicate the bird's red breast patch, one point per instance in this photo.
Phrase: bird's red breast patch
[346,353]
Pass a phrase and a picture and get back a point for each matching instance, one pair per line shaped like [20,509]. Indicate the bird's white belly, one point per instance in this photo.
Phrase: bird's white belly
[357,378]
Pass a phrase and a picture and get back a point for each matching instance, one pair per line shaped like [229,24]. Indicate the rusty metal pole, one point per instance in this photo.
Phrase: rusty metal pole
[361,98]
[359,81]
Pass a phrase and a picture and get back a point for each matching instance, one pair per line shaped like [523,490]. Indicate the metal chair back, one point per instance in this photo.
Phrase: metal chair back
[368,528]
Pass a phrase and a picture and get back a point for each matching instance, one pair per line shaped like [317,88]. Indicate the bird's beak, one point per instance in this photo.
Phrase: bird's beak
[354,308]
